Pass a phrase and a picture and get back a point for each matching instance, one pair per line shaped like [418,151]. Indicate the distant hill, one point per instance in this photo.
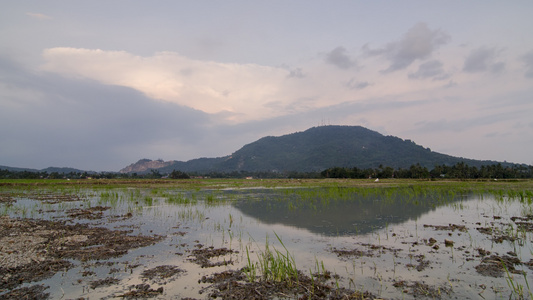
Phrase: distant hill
[144,166]
[13,169]
[315,149]
[63,170]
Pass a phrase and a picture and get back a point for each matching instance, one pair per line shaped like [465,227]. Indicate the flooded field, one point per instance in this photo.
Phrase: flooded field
[252,239]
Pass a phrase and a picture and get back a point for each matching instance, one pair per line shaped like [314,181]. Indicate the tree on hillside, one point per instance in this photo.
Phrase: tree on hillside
[178,175]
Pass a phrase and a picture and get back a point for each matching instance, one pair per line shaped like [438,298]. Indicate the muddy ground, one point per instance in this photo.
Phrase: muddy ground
[32,250]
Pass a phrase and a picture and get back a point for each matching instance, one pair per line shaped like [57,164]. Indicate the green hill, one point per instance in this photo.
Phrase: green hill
[323,147]
[319,148]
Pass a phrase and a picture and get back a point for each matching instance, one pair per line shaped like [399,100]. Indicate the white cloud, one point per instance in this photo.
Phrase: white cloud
[232,89]
[236,92]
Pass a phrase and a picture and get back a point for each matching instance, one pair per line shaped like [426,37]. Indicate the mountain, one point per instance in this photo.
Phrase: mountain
[316,149]
[13,169]
[62,170]
[144,165]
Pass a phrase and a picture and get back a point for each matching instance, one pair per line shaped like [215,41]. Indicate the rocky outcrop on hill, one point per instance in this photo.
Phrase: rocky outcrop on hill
[145,165]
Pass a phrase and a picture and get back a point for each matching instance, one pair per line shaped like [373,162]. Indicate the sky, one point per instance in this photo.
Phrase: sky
[97,85]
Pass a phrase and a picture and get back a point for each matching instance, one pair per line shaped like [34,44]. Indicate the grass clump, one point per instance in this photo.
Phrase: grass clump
[274,265]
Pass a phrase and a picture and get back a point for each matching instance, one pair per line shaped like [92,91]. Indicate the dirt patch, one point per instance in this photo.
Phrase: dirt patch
[203,256]
[524,218]
[32,250]
[104,282]
[369,252]
[162,273]
[91,213]
[52,198]
[13,277]
[141,291]
[485,230]
[233,285]
[420,289]
[422,263]
[7,198]
[497,266]
[35,292]
[350,253]
[449,227]
[497,235]
[524,223]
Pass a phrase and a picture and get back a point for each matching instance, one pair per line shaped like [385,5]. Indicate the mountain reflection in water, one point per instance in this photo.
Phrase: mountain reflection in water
[360,214]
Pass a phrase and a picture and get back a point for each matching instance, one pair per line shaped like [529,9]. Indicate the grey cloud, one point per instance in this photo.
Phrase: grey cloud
[417,44]
[357,85]
[339,58]
[483,60]
[87,125]
[528,61]
[431,69]
[296,73]
[450,84]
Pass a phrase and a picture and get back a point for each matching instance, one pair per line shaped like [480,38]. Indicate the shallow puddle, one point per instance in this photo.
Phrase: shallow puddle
[391,244]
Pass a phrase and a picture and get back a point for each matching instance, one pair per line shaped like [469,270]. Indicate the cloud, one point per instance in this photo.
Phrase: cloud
[296,73]
[483,60]
[38,16]
[357,85]
[339,58]
[85,124]
[431,69]
[528,62]
[236,90]
[417,44]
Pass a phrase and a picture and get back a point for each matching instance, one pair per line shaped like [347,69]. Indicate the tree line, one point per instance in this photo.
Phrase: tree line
[458,171]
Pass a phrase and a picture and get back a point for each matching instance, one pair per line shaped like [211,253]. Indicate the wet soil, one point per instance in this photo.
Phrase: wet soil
[104,282]
[203,256]
[32,250]
[162,274]
[7,198]
[490,264]
[449,227]
[91,213]
[141,291]
[35,292]
[497,266]
[420,289]
[53,198]
[234,285]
